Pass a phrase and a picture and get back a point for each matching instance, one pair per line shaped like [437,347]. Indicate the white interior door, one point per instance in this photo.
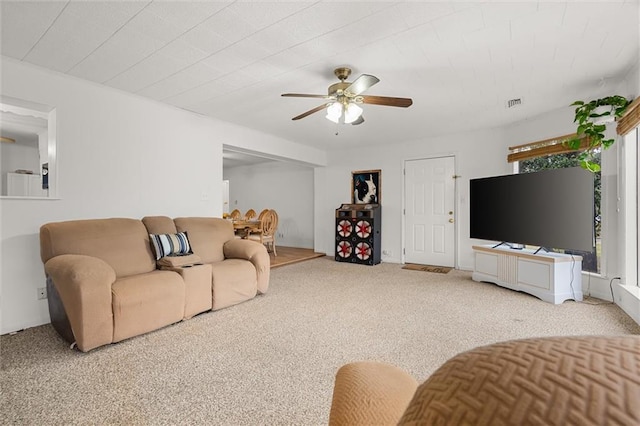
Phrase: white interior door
[429,211]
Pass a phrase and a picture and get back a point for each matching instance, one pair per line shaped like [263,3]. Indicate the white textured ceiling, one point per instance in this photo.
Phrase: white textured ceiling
[459,61]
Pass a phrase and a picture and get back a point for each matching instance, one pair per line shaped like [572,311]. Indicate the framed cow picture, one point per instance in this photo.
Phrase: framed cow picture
[365,187]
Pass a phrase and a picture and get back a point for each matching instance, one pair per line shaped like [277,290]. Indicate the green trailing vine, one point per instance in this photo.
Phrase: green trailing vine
[588,127]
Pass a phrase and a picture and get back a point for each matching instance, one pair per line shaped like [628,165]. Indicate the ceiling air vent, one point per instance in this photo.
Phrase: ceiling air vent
[512,103]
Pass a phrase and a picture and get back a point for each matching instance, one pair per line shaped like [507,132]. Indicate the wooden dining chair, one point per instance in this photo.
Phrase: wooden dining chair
[267,232]
[262,213]
[250,214]
[235,214]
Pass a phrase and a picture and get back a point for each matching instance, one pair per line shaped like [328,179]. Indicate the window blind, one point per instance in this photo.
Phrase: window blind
[630,119]
[544,147]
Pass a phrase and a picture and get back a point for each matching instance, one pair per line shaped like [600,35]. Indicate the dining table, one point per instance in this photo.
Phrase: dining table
[243,227]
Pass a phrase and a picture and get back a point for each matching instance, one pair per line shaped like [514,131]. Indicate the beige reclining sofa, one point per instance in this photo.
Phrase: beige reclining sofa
[105,283]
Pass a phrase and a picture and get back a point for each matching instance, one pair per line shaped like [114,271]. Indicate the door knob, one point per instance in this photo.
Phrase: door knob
[451,220]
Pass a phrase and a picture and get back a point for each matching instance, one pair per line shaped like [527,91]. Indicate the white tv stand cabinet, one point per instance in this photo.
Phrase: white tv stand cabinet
[552,277]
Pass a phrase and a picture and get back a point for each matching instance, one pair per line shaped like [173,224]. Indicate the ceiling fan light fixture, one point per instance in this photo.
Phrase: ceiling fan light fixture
[352,113]
[334,112]
[338,112]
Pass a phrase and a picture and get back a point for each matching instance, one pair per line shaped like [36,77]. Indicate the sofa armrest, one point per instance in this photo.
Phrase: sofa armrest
[254,252]
[370,393]
[84,285]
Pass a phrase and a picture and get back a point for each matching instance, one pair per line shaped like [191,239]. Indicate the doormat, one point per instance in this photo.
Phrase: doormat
[427,268]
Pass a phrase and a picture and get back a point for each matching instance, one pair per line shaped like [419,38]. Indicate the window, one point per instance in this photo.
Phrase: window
[553,154]
[590,261]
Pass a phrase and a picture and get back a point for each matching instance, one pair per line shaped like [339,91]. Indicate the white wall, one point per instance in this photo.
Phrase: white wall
[119,156]
[544,126]
[478,154]
[285,187]
[252,142]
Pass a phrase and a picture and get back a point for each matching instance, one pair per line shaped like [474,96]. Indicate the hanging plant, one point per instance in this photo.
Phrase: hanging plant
[592,118]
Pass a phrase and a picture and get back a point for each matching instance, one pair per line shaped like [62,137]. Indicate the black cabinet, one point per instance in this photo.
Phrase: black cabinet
[358,234]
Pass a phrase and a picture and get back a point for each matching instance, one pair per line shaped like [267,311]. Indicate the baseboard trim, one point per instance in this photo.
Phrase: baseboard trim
[628,298]
[12,328]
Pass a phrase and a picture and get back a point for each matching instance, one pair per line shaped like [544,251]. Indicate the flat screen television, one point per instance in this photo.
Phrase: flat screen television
[550,208]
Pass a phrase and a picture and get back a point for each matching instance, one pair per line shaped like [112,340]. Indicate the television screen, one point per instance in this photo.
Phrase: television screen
[551,209]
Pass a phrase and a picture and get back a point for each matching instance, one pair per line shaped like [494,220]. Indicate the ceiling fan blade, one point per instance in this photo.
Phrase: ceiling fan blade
[311,111]
[359,120]
[387,101]
[361,84]
[304,95]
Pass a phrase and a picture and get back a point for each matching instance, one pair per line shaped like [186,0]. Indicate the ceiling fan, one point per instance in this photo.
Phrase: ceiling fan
[344,97]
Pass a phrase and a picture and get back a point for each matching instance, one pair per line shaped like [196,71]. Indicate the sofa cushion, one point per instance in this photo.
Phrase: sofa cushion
[207,236]
[159,225]
[122,243]
[146,302]
[233,281]
[178,261]
[197,282]
[170,244]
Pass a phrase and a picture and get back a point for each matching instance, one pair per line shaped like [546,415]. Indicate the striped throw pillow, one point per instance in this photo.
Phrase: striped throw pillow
[170,244]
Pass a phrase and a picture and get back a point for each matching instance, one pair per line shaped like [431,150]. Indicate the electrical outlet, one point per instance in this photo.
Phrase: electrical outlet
[42,293]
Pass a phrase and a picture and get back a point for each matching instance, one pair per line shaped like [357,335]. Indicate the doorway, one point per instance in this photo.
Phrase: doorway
[258,181]
[429,211]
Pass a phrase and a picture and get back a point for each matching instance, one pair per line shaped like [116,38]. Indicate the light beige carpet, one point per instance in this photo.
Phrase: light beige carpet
[272,360]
